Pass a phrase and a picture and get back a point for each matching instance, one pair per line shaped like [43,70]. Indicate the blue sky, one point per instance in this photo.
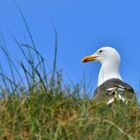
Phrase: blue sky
[83,26]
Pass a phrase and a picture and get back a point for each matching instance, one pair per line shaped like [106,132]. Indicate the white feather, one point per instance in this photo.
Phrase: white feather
[110,60]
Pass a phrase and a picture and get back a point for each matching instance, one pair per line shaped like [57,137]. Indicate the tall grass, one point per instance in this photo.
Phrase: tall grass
[39,106]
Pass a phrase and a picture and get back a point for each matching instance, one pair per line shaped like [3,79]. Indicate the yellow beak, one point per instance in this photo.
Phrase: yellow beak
[88,58]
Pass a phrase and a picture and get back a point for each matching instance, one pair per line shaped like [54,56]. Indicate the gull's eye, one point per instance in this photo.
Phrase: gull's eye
[100,51]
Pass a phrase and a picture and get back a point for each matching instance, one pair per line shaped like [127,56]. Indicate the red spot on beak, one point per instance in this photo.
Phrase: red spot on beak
[88,58]
[85,60]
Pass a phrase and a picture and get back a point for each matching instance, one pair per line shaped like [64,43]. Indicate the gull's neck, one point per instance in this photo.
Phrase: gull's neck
[108,71]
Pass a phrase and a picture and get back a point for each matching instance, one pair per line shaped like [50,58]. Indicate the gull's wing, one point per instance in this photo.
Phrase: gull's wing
[108,89]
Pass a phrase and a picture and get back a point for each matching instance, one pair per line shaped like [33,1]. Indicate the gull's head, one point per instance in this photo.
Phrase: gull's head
[103,55]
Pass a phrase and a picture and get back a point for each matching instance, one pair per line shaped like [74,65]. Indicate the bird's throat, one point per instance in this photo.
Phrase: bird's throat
[108,71]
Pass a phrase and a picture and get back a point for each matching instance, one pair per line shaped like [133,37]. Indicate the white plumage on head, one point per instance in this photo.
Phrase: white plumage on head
[110,61]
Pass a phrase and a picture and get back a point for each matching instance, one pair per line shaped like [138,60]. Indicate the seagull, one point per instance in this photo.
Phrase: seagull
[110,83]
